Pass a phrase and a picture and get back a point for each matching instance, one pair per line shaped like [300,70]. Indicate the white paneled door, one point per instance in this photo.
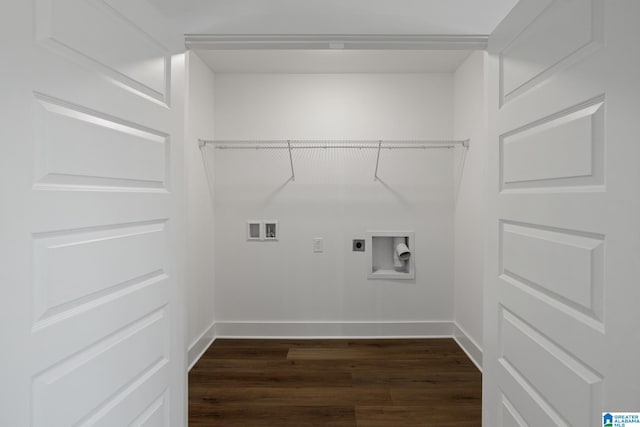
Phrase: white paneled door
[90,153]
[562,304]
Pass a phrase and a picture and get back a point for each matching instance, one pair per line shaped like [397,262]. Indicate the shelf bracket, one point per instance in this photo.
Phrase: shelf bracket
[375,174]
[293,175]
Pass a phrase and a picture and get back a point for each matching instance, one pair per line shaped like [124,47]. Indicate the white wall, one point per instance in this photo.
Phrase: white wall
[316,106]
[283,288]
[200,218]
[470,121]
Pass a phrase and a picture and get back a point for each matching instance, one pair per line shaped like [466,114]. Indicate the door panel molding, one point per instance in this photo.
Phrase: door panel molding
[546,46]
[92,42]
[563,207]
[93,306]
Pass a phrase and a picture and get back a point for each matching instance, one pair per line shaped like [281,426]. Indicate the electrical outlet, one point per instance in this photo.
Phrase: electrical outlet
[318,245]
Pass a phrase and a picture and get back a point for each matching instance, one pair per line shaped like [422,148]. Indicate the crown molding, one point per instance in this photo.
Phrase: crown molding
[335,41]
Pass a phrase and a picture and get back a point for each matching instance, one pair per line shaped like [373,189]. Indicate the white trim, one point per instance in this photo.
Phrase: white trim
[311,330]
[201,345]
[335,41]
[354,330]
[468,345]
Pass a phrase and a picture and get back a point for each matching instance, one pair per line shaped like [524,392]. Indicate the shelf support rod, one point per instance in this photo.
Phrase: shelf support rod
[375,174]
[293,175]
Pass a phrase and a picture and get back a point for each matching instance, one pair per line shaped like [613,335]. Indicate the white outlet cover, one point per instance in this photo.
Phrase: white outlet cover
[318,245]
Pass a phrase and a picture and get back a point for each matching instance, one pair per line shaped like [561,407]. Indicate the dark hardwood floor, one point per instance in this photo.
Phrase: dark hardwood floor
[335,383]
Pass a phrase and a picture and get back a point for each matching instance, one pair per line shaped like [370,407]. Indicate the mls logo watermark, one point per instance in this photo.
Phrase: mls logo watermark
[620,419]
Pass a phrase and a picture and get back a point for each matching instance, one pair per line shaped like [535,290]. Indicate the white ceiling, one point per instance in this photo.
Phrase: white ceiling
[335,16]
[333,61]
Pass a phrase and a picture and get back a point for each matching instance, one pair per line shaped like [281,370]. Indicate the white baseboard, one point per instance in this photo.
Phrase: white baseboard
[198,348]
[468,345]
[310,330]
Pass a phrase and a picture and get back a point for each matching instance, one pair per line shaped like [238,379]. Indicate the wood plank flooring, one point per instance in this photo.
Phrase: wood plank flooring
[335,383]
